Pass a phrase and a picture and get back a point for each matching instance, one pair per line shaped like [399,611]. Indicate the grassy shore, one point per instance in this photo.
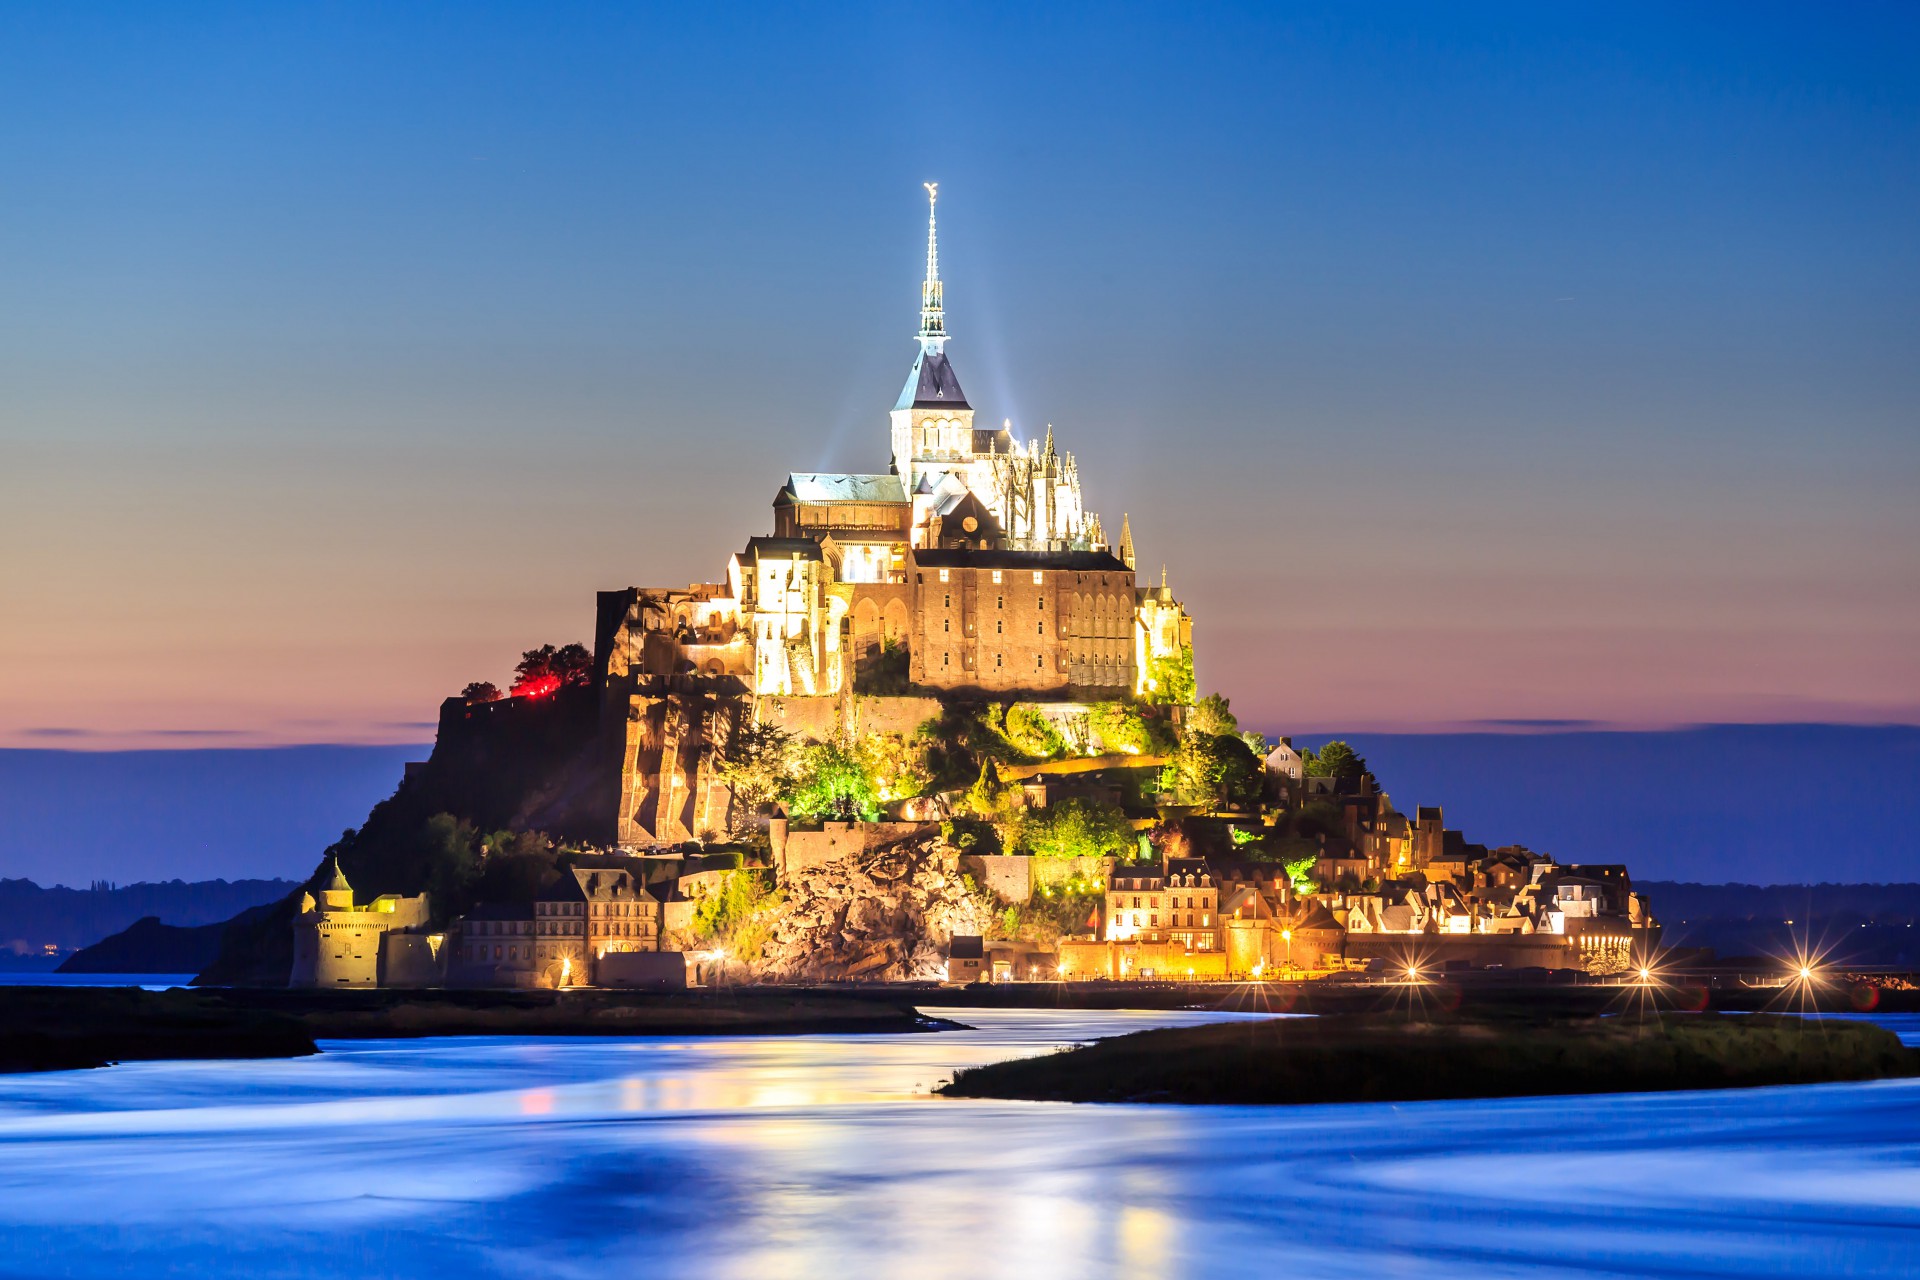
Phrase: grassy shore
[58,1028]
[1376,1059]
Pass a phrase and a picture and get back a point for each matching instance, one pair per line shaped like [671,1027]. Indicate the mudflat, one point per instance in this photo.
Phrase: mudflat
[59,1028]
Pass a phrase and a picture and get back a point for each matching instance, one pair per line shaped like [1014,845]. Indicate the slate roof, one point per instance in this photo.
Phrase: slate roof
[840,486]
[776,548]
[931,384]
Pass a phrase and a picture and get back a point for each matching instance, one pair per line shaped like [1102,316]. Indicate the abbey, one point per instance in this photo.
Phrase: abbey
[971,565]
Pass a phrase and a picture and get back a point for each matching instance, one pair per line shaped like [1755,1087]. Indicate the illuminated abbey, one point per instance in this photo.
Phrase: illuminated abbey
[970,565]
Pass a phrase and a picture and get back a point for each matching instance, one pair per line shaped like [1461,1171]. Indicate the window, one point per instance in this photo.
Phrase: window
[996,577]
[1036,577]
[947,625]
[999,602]
[997,660]
[1043,602]
[999,628]
[1039,628]
[1156,919]
[948,601]
[943,575]
[944,657]
[1038,662]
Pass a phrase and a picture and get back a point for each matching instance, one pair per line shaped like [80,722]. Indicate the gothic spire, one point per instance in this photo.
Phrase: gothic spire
[933,325]
[1126,541]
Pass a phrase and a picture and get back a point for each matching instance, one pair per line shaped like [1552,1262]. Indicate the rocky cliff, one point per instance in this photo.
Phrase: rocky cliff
[883,916]
[519,764]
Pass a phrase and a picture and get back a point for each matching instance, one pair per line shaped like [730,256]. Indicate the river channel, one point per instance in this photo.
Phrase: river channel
[825,1156]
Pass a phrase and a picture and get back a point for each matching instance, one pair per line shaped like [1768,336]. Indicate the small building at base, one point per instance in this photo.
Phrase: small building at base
[379,944]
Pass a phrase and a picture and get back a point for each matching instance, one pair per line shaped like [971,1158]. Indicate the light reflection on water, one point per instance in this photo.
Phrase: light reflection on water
[822,1155]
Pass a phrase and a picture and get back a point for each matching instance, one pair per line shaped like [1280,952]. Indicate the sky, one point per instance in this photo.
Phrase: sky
[1468,366]
[1760,804]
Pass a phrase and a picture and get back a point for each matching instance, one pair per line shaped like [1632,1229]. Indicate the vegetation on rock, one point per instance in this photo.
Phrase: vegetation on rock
[1380,1059]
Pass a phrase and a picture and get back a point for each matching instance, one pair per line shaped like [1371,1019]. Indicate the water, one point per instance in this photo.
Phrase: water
[145,981]
[823,1156]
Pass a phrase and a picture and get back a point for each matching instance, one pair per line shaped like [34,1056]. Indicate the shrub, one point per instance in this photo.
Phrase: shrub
[1033,733]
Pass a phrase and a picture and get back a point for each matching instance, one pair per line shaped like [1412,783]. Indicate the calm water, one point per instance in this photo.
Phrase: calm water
[821,1156]
[148,981]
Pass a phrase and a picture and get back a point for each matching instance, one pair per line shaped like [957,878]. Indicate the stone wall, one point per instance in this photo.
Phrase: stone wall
[1015,877]
[796,851]
[828,718]
[660,969]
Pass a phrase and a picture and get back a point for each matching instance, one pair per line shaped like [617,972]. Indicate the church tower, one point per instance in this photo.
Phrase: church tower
[932,421]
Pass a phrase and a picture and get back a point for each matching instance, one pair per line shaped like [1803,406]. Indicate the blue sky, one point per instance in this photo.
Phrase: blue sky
[1463,363]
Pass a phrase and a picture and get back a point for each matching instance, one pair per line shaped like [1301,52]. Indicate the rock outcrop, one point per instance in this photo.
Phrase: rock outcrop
[882,917]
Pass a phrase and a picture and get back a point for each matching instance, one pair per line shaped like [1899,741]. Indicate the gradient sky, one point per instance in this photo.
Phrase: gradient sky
[1465,364]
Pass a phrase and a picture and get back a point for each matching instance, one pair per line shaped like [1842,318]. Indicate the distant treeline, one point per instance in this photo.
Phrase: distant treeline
[1874,925]
[32,917]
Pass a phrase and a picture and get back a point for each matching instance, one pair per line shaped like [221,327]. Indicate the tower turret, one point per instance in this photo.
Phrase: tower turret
[933,320]
[932,421]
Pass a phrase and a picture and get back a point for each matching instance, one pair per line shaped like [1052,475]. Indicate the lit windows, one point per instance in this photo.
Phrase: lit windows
[943,575]
[1037,577]
[996,577]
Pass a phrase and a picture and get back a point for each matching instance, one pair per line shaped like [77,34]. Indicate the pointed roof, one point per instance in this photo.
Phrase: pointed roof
[339,879]
[1126,533]
[931,384]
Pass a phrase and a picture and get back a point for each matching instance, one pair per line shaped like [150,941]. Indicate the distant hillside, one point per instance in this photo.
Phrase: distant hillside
[148,946]
[31,918]
[1872,925]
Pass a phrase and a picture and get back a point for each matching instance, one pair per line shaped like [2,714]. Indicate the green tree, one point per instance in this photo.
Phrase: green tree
[546,669]
[761,764]
[1076,828]
[1213,717]
[1300,872]
[1335,760]
[1216,769]
[832,781]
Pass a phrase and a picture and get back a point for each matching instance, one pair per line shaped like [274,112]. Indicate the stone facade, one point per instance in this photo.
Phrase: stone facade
[339,944]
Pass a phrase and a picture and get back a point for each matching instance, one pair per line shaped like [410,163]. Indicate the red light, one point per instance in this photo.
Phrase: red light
[536,687]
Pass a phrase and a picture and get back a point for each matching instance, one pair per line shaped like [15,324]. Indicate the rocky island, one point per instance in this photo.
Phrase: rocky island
[1414,1058]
